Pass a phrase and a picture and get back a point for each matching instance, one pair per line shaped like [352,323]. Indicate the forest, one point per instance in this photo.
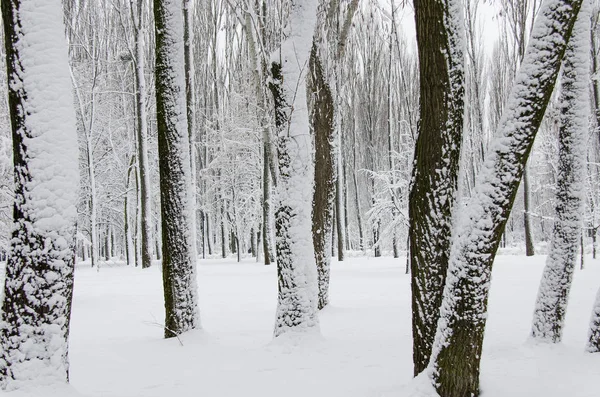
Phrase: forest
[265,190]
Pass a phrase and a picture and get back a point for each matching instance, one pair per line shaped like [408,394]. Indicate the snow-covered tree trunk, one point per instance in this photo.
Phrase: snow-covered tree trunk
[142,136]
[593,344]
[440,41]
[296,269]
[39,273]
[553,293]
[454,364]
[179,260]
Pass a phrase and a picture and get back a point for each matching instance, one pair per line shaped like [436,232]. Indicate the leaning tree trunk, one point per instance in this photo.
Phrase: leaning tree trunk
[437,158]
[179,261]
[38,288]
[459,338]
[551,304]
[296,269]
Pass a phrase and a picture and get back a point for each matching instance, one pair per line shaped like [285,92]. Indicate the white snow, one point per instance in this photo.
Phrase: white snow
[34,347]
[299,290]
[365,350]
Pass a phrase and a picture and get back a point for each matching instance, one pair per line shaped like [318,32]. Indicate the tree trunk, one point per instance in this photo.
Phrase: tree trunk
[142,139]
[593,345]
[339,212]
[209,238]
[38,287]
[190,100]
[459,338]
[324,191]
[179,262]
[266,224]
[553,293]
[296,268]
[529,247]
[437,158]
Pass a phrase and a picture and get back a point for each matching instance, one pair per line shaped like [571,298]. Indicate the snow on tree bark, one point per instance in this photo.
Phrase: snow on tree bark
[38,287]
[179,259]
[593,344]
[296,269]
[553,293]
[437,156]
[454,365]
[327,49]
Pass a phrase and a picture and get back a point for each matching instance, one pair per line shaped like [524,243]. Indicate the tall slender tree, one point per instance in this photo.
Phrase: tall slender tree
[334,20]
[139,20]
[179,258]
[38,288]
[296,269]
[437,155]
[553,293]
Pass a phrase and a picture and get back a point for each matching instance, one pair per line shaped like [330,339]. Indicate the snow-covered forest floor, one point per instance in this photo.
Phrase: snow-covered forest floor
[117,350]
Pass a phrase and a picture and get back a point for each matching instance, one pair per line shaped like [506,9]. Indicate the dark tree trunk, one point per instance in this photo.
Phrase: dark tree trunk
[339,219]
[593,345]
[203,233]
[179,263]
[266,205]
[435,173]
[209,239]
[253,242]
[223,236]
[529,247]
[324,191]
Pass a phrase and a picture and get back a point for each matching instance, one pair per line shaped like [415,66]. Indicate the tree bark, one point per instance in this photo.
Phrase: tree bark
[529,247]
[324,182]
[179,262]
[553,293]
[459,337]
[296,268]
[38,285]
[593,345]
[437,157]
[142,137]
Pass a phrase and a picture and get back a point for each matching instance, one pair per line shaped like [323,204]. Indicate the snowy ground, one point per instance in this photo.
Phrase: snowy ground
[117,348]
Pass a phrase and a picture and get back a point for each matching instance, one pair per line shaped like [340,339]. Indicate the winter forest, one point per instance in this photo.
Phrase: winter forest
[367,198]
